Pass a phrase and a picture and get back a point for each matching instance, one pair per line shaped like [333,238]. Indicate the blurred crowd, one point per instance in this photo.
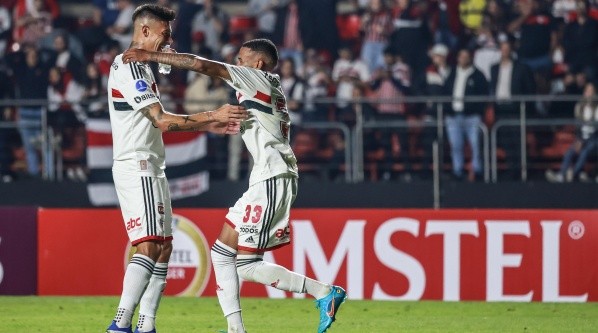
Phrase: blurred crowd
[366,56]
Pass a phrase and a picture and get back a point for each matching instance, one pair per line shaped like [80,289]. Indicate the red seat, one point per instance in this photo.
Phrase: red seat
[241,24]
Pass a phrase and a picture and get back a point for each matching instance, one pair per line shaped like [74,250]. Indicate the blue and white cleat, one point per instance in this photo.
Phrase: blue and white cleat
[329,306]
[113,328]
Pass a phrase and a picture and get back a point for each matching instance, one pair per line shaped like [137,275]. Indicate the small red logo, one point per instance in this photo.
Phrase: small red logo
[218,288]
[133,223]
[275,284]
[160,208]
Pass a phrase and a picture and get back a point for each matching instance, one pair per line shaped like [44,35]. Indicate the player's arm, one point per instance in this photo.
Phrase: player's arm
[224,120]
[179,60]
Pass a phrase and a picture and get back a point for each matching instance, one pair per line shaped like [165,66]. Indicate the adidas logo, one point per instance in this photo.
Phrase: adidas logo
[250,239]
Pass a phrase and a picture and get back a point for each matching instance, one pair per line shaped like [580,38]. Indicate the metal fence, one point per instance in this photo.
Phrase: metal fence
[354,155]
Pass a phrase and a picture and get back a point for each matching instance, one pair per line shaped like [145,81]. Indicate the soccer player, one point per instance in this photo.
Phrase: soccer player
[259,220]
[138,120]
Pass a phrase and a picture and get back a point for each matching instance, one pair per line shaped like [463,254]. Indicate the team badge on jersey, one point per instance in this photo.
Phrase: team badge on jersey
[140,85]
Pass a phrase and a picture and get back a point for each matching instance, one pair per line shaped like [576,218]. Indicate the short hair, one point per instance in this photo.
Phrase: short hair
[154,11]
[266,47]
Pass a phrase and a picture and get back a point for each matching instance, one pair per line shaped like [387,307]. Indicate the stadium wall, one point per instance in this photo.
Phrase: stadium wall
[383,254]
[340,195]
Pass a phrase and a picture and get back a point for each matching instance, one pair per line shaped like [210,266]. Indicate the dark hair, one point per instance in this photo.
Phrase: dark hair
[266,47]
[154,11]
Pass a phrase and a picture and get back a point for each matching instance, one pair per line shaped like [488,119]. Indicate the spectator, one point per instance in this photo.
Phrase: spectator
[30,75]
[486,50]
[94,91]
[536,28]
[122,29]
[33,19]
[436,75]
[389,85]
[586,111]
[376,24]
[580,41]
[510,78]
[318,81]
[66,117]
[287,34]
[66,60]
[464,118]
[211,22]
[294,90]
[347,72]
[410,38]
[264,12]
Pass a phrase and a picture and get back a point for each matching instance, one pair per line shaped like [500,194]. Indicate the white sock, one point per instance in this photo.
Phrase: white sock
[138,273]
[148,307]
[227,285]
[253,268]
[316,288]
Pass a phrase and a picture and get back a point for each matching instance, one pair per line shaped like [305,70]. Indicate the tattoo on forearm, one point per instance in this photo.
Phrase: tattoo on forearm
[187,118]
[184,61]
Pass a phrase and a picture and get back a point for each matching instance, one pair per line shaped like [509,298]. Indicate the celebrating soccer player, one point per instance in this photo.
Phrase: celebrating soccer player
[259,220]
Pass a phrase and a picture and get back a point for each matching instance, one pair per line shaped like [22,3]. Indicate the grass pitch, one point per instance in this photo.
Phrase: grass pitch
[183,315]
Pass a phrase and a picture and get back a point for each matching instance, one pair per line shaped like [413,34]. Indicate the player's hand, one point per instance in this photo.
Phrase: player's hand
[230,113]
[139,55]
[232,128]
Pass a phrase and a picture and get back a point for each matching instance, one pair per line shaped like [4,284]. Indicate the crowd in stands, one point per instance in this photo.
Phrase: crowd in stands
[369,54]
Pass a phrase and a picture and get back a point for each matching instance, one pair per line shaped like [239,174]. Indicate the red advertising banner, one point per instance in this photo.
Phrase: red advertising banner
[492,255]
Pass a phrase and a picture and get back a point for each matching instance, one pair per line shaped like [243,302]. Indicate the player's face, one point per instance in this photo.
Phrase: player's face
[158,35]
[248,58]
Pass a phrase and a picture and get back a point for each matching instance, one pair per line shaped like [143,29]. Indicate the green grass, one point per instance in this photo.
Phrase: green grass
[178,315]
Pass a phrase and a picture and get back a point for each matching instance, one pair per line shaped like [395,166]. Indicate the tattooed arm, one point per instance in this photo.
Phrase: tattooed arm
[222,119]
[180,60]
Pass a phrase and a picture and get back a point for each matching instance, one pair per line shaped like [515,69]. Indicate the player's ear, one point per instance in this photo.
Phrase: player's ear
[145,30]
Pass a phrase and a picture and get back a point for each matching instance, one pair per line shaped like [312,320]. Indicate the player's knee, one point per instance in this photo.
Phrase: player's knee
[149,249]
[222,254]
[246,266]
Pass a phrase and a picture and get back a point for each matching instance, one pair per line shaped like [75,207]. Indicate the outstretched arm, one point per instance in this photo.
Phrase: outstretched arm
[180,60]
[224,120]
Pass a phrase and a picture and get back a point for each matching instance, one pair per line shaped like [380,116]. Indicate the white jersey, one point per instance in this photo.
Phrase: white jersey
[137,144]
[266,132]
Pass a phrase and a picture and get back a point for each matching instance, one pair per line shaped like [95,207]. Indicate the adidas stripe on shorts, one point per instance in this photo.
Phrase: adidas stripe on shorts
[261,215]
[145,206]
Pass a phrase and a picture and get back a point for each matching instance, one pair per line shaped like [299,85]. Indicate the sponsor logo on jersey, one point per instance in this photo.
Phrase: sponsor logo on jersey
[140,85]
[133,223]
[189,267]
[249,230]
[144,97]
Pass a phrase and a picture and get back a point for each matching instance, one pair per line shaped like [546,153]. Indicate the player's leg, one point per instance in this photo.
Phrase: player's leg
[273,232]
[138,220]
[223,255]
[148,307]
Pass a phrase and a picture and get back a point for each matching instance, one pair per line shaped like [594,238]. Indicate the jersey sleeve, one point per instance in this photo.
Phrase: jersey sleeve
[248,81]
[133,85]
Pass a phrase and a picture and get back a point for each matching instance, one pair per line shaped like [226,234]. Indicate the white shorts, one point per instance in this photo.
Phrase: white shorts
[261,215]
[145,206]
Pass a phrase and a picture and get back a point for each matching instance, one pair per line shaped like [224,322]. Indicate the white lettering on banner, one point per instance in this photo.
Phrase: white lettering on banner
[452,231]
[497,260]
[551,266]
[1,268]
[399,260]
[350,246]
